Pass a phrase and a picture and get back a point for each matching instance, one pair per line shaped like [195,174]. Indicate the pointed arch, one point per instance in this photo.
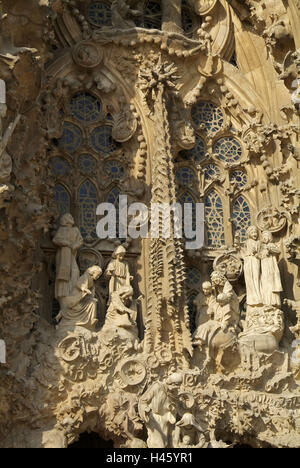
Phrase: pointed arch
[63,199]
[88,201]
[214,217]
[241,215]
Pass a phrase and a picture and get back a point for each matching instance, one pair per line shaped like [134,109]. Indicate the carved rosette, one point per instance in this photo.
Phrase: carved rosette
[87,55]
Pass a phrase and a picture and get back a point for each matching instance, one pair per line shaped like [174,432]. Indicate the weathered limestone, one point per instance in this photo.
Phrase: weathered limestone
[165,102]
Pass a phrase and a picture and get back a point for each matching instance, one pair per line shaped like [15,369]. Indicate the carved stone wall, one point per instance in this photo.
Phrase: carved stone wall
[164,102]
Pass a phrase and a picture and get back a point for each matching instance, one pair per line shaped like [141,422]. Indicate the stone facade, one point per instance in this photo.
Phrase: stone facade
[148,344]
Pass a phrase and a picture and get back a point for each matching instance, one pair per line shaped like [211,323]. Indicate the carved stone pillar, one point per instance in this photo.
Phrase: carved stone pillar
[167,326]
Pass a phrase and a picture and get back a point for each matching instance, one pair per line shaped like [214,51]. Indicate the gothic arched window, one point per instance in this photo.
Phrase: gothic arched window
[88,201]
[62,199]
[214,217]
[241,217]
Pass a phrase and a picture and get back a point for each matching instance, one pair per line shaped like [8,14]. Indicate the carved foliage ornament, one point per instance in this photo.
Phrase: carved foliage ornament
[271,219]
[87,55]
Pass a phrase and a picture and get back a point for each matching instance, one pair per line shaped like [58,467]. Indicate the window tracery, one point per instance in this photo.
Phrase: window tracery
[88,201]
[228,149]
[102,140]
[241,217]
[85,107]
[83,150]
[207,116]
[87,164]
[214,217]
[71,139]
[99,14]
[63,200]
[218,159]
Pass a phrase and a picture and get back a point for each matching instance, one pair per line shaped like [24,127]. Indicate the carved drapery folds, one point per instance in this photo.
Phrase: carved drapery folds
[161,101]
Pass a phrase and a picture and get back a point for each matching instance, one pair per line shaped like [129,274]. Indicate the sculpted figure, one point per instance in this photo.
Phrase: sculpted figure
[252,269]
[118,271]
[69,240]
[121,14]
[188,433]
[220,331]
[205,302]
[120,319]
[80,307]
[155,408]
[271,286]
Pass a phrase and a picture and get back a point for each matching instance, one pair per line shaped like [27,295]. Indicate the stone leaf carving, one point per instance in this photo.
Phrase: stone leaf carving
[87,55]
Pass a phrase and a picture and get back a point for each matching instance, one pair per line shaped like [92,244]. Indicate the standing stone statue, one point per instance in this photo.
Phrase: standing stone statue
[252,270]
[69,240]
[155,408]
[80,307]
[204,302]
[271,286]
[118,271]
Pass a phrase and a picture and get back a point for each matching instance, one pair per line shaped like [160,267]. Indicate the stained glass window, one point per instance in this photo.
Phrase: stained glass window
[185,176]
[59,166]
[187,198]
[187,20]
[153,15]
[88,202]
[114,170]
[99,14]
[102,140]
[193,277]
[214,216]
[71,138]
[62,200]
[211,172]
[239,177]
[87,164]
[241,217]
[208,115]
[113,197]
[228,149]
[85,107]
[197,153]
[192,310]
